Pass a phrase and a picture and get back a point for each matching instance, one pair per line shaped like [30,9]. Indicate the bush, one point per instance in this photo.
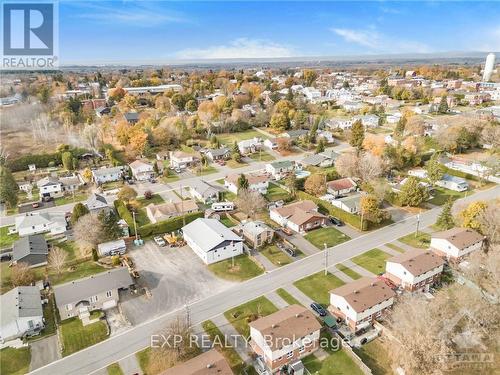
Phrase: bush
[115,260]
[167,226]
[327,208]
[461,174]
[41,160]
[95,256]
[125,214]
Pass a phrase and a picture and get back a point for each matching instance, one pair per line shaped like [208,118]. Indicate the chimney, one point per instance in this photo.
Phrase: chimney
[297,315]
[210,365]
[273,325]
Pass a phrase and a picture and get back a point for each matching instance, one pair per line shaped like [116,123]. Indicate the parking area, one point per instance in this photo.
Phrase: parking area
[41,205]
[174,276]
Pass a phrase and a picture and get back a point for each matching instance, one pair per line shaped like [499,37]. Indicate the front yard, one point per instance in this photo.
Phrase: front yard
[77,197]
[442,195]
[229,138]
[241,315]
[75,336]
[15,361]
[329,235]
[287,297]
[275,255]
[349,272]
[262,156]
[318,285]
[240,268]
[373,260]
[421,241]
[203,171]
[7,239]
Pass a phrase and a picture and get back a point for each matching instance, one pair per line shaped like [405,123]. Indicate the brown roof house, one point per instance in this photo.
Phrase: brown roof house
[283,338]
[341,186]
[455,243]
[299,216]
[164,211]
[256,233]
[360,302]
[415,270]
[209,363]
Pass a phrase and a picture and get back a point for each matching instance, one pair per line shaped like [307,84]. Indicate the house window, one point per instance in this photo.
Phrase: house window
[289,354]
[302,349]
[93,299]
[30,324]
[109,293]
[68,307]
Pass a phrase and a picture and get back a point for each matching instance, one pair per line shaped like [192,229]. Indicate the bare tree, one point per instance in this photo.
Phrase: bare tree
[490,221]
[91,135]
[369,167]
[57,259]
[347,165]
[315,185]
[21,274]
[88,231]
[250,202]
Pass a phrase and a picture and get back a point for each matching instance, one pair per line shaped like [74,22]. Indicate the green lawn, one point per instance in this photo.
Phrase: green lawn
[275,255]
[442,195]
[287,297]
[227,222]
[232,357]
[318,286]
[155,199]
[376,357]
[228,196]
[15,361]
[169,178]
[422,241]
[275,193]
[220,181]
[241,315]
[114,369]
[206,170]
[349,272]
[229,138]
[143,358]
[395,247]
[243,269]
[76,337]
[234,164]
[338,363]
[78,197]
[69,247]
[330,236]
[373,260]
[77,271]
[262,156]
[7,239]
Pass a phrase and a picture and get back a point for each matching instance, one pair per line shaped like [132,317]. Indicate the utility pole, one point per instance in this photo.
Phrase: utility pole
[135,226]
[182,208]
[188,315]
[326,259]
[418,224]
[362,214]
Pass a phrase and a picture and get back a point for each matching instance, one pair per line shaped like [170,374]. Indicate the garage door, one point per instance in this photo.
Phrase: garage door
[108,304]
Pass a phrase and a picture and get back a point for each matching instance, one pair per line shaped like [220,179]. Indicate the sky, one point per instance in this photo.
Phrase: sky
[144,31]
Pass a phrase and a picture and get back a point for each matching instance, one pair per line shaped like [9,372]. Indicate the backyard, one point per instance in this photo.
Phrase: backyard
[373,260]
[330,236]
[241,315]
[141,217]
[275,255]
[275,193]
[318,285]
[376,357]
[229,138]
[421,241]
[15,361]
[76,337]
[338,363]
[239,268]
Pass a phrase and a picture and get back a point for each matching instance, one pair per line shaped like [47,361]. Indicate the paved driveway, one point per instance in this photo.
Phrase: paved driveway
[175,276]
[44,351]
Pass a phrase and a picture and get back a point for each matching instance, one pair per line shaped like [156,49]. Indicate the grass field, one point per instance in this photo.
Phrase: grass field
[232,357]
[330,236]
[349,272]
[234,164]
[241,315]
[373,260]
[318,285]
[76,337]
[287,297]
[275,255]
[376,357]
[275,193]
[337,363]
[422,241]
[243,269]
[114,369]
[7,239]
[15,361]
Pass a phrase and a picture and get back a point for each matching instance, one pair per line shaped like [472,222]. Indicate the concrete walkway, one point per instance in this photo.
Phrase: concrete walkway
[300,242]
[297,293]
[266,263]
[130,366]
[232,336]
[277,301]
[341,275]
[403,245]
[362,271]
[388,250]
[44,351]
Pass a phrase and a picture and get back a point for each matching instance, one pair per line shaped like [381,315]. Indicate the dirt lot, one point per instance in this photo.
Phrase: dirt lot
[175,277]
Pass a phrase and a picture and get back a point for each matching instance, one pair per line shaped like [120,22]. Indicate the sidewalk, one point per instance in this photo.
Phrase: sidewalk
[277,301]
[232,336]
[297,293]
[130,366]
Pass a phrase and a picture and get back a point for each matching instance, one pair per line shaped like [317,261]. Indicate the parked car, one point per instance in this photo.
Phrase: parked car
[35,204]
[336,221]
[317,308]
[159,241]
[47,199]
[178,170]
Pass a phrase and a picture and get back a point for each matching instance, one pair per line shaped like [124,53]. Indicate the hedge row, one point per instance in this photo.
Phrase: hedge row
[125,214]
[41,160]
[167,226]
[326,207]
[461,174]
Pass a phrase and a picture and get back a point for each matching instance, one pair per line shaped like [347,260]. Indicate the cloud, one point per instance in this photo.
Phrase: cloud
[377,42]
[238,48]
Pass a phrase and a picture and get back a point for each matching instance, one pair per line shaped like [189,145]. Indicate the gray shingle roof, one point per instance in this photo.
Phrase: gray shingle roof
[20,302]
[25,246]
[96,201]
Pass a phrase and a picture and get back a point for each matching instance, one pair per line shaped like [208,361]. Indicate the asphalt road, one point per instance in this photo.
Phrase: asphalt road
[112,350]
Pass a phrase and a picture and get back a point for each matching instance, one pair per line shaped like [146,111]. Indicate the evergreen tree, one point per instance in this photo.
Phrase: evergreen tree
[242,182]
[67,160]
[156,170]
[434,169]
[445,218]
[79,210]
[8,187]
[443,105]
[412,193]
[111,229]
[357,135]
[399,130]
[320,147]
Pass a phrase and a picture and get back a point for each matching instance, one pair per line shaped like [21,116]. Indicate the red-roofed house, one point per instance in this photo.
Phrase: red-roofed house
[341,186]
[299,216]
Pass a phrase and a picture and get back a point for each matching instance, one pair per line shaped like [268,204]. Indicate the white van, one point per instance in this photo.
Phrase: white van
[223,206]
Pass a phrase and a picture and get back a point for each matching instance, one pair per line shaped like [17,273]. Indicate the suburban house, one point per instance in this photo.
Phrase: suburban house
[326,136]
[360,302]
[414,270]
[103,175]
[181,159]
[455,243]
[295,134]
[284,337]
[21,313]
[41,222]
[249,146]
[316,160]
[453,183]
[54,187]
[222,153]
[256,182]
[31,250]
[131,117]
[256,233]
[96,292]
[349,204]
[339,123]
[341,186]
[164,211]
[116,247]
[299,216]
[368,121]
[141,170]
[204,192]
[211,362]
[271,143]
[97,203]
[280,169]
[211,240]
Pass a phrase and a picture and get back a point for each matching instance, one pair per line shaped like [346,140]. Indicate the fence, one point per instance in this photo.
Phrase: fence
[348,350]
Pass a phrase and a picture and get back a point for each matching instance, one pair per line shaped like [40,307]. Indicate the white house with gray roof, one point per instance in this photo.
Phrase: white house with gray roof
[21,313]
[102,175]
[97,203]
[96,292]
[40,222]
[204,192]
[280,169]
[349,204]
[211,240]
[31,250]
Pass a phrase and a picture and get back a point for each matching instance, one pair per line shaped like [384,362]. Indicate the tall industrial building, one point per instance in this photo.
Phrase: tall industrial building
[489,65]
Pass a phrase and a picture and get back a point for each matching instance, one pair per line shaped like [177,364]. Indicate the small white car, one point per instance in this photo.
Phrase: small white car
[159,241]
